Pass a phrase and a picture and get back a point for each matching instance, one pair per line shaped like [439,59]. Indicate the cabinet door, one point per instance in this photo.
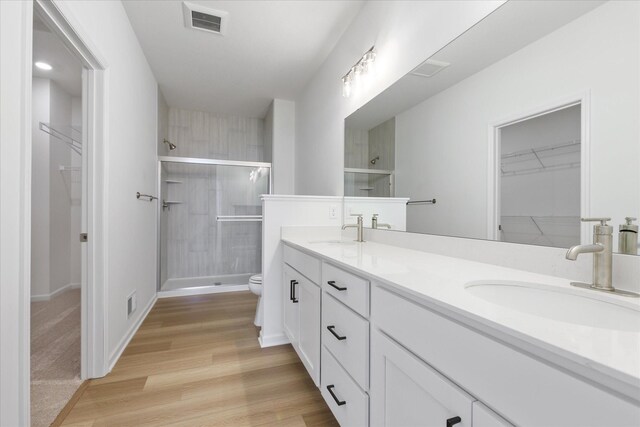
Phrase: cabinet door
[291,304]
[309,336]
[407,392]
[485,417]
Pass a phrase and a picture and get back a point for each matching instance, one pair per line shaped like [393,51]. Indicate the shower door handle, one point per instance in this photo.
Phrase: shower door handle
[292,285]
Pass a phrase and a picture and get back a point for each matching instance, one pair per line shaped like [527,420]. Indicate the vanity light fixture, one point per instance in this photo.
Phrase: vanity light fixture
[43,66]
[358,69]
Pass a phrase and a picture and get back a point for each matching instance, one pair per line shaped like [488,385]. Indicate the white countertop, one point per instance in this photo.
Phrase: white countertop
[610,357]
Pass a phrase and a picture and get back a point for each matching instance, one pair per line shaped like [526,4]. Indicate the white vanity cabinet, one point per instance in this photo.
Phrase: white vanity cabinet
[301,315]
[522,388]
[345,345]
[384,357]
[405,391]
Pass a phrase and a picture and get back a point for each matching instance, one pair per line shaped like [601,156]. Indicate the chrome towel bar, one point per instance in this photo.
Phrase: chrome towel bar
[422,202]
[239,218]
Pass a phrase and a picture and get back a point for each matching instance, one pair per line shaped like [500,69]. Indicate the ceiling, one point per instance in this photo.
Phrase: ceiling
[67,69]
[510,28]
[271,49]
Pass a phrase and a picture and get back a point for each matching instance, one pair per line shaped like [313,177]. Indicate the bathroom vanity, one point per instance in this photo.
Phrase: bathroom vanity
[399,337]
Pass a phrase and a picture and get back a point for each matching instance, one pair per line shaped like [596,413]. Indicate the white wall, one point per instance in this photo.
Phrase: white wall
[450,161]
[278,212]
[75,178]
[53,266]
[40,228]
[283,149]
[15,209]
[59,192]
[130,164]
[405,33]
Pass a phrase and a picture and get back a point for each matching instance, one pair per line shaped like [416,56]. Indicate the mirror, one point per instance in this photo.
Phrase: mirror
[515,130]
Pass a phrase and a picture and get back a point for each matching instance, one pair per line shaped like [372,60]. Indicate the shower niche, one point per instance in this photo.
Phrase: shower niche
[210,223]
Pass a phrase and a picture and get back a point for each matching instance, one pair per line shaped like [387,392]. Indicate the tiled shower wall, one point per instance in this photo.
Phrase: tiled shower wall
[212,136]
[360,147]
[198,244]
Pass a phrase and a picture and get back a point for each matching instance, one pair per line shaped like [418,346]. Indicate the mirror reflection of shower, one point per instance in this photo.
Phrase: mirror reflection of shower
[171,145]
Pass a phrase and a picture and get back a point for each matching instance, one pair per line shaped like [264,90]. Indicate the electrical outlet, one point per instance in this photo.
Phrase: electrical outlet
[333,212]
[131,304]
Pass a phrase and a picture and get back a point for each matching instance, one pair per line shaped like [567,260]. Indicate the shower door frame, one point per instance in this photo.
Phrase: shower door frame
[196,161]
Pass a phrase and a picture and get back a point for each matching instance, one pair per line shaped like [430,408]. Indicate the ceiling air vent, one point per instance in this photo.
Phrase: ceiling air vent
[430,68]
[205,19]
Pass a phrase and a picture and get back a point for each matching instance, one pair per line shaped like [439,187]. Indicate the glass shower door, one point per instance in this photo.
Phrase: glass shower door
[211,222]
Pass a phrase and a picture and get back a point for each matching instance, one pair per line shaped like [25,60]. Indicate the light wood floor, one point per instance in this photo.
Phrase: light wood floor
[195,361]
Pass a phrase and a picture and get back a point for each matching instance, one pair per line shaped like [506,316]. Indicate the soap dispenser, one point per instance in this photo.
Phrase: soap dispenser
[628,237]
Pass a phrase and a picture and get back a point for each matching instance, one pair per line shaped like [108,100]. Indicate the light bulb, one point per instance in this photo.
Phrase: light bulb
[346,86]
[43,66]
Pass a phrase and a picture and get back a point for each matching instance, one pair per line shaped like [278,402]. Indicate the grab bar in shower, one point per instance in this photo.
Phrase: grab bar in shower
[239,218]
[422,202]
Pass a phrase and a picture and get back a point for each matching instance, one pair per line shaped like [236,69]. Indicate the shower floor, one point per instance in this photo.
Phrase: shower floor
[205,285]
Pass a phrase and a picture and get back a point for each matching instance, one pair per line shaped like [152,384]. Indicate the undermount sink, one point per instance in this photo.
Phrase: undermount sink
[597,311]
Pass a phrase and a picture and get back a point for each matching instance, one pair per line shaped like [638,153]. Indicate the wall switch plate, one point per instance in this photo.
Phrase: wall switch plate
[333,212]
[131,304]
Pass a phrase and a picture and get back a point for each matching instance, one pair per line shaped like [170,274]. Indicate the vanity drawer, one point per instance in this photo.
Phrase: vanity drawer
[305,264]
[349,404]
[347,288]
[522,388]
[346,336]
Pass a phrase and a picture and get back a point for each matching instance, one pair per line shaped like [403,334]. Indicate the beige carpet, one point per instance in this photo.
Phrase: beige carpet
[55,355]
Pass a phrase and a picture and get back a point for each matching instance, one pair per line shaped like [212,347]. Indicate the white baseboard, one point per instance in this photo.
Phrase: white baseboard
[272,340]
[202,290]
[115,355]
[47,297]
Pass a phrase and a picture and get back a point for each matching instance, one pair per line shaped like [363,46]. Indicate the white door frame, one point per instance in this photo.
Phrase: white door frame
[493,175]
[94,359]
[15,209]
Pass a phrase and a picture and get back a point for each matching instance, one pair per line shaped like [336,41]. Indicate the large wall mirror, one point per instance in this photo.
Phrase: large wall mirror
[518,128]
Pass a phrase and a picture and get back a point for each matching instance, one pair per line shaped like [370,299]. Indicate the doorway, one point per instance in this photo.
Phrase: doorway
[56,206]
[66,311]
[538,169]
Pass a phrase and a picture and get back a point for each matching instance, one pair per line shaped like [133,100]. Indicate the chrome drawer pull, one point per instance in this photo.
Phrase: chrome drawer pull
[331,329]
[333,283]
[338,401]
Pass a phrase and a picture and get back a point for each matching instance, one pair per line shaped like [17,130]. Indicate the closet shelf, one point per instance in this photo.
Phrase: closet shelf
[543,159]
[71,136]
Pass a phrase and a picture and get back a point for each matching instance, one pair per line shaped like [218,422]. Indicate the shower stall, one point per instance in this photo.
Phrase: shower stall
[210,223]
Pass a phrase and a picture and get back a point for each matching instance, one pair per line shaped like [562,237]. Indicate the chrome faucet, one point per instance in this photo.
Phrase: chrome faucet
[602,250]
[358,225]
[375,224]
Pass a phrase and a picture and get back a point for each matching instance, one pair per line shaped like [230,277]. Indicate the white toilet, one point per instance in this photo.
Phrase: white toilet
[255,286]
